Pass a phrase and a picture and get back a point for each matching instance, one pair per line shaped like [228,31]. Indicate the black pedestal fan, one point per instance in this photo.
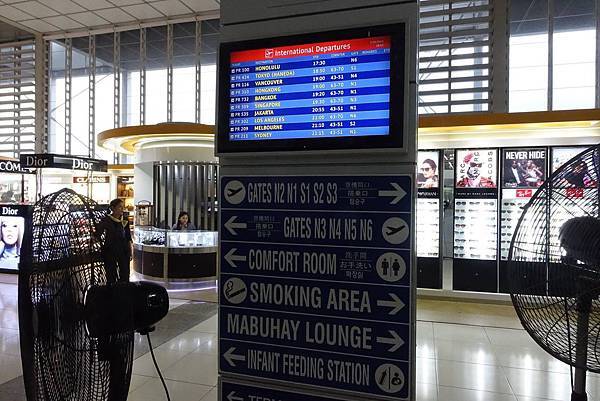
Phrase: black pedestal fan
[554,267]
[76,328]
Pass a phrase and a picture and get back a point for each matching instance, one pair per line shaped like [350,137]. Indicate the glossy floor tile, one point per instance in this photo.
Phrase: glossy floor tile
[465,352]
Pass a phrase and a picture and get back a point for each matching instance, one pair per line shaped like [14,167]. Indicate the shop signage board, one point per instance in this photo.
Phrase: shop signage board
[232,390]
[103,179]
[12,166]
[48,160]
[315,281]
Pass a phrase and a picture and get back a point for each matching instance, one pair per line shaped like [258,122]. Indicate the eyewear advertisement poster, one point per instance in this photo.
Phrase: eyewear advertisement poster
[12,226]
[428,170]
[524,170]
[476,168]
[580,175]
[575,184]
[476,205]
[428,204]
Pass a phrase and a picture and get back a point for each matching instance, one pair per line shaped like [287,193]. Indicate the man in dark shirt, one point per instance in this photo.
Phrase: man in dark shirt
[117,248]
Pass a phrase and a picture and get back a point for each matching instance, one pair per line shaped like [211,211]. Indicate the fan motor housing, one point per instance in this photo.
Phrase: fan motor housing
[122,307]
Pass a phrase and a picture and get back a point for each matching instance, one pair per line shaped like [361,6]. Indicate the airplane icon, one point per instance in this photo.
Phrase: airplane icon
[394,230]
[233,191]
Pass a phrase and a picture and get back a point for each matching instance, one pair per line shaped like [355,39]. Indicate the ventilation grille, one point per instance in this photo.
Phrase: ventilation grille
[454,56]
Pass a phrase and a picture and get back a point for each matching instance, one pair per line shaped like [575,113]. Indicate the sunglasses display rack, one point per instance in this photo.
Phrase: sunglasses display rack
[428,228]
[511,210]
[429,262]
[475,229]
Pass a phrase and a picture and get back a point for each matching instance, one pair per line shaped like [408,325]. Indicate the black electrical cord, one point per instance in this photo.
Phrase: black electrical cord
[157,368]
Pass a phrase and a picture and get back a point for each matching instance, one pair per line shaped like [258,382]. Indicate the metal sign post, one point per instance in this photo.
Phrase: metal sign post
[317,147]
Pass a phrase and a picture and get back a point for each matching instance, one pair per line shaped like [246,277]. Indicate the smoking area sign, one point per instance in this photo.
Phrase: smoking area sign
[315,282]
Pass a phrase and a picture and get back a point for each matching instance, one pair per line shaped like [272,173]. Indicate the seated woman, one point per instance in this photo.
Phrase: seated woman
[183,222]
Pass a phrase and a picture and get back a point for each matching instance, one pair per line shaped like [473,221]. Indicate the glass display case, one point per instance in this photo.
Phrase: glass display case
[160,237]
[175,255]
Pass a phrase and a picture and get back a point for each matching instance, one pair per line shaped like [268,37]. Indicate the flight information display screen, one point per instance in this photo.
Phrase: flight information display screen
[297,93]
[326,89]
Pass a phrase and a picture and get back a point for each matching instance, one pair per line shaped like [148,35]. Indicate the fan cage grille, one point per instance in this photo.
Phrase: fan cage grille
[544,289]
[67,364]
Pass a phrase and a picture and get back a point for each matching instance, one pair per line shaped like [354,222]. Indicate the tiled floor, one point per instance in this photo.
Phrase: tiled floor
[467,361]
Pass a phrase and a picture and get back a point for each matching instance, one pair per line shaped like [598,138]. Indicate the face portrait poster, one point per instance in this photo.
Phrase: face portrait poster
[428,169]
[476,168]
[11,238]
[523,168]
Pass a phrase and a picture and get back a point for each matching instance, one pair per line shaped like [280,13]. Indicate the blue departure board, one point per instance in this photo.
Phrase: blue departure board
[317,90]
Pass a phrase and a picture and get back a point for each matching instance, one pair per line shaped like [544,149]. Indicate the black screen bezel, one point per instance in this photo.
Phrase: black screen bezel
[395,138]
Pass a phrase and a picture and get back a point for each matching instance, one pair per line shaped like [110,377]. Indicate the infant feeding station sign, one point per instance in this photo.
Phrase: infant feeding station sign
[315,281]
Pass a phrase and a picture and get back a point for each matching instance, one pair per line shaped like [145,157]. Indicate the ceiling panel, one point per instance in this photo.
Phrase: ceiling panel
[115,15]
[14,14]
[88,19]
[171,7]
[121,3]
[63,22]
[39,25]
[52,16]
[36,9]
[142,11]
[201,5]
[64,6]
[94,4]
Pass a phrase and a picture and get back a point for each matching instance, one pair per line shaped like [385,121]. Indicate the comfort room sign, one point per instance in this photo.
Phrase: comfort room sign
[315,281]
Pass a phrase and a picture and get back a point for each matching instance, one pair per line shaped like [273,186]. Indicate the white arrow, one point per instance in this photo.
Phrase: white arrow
[395,341]
[232,397]
[398,193]
[230,357]
[396,304]
[230,225]
[231,257]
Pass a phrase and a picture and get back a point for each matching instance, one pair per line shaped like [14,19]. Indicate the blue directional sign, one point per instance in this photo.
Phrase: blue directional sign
[315,282]
[334,228]
[378,193]
[348,372]
[364,265]
[368,338]
[378,302]
[233,391]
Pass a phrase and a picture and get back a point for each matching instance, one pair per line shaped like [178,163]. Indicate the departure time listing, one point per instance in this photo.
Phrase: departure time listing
[318,90]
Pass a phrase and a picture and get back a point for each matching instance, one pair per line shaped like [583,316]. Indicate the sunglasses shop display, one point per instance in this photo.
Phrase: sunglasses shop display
[476,207]
[428,205]
[475,229]
[428,228]
[523,171]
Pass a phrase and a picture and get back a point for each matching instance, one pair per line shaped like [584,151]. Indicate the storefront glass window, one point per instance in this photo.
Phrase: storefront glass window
[156,75]
[528,56]
[208,72]
[184,72]
[104,103]
[56,98]
[573,66]
[574,55]
[80,145]
[184,104]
